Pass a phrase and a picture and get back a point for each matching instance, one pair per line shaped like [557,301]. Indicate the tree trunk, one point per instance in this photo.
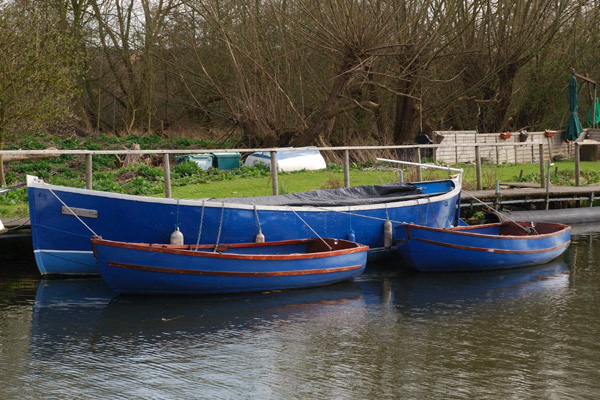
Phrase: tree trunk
[405,114]
[324,123]
[506,78]
[381,133]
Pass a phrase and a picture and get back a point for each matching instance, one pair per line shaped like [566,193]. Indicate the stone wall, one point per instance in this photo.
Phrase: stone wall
[553,147]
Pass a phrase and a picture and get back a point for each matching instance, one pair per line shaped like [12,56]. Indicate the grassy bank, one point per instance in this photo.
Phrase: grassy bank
[189,181]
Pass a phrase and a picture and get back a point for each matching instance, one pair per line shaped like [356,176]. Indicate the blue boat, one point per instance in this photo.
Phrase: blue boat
[64,219]
[139,268]
[481,247]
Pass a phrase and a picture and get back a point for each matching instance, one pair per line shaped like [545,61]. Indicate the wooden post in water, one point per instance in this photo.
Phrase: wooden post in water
[577,166]
[542,177]
[88,171]
[548,184]
[419,172]
[346,168]
[274,173]
[478,166]
[167,169]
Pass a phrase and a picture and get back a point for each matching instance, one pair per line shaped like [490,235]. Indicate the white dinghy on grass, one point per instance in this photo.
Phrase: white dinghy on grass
[288,161]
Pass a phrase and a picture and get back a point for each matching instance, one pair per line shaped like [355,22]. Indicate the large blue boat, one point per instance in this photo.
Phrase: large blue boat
[485,247]
[64,219]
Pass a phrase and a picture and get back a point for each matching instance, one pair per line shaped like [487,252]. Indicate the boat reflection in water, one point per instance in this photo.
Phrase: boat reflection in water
[168,317]
[410,290]
[87,309]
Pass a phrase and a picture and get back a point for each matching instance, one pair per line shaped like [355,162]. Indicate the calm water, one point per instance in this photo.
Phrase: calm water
[531,333]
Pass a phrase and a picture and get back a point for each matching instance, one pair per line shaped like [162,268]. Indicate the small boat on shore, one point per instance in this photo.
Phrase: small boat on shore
[139,268]
[291,160]
[481,247]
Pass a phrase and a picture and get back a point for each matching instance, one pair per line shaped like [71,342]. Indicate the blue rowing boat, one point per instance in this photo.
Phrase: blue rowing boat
[481,247]
[64,219]
[139,268]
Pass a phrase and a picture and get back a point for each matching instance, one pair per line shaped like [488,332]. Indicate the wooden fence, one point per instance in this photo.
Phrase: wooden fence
[459,146]
[533,148]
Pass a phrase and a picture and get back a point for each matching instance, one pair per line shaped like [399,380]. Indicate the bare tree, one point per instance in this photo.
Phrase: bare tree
[36,75]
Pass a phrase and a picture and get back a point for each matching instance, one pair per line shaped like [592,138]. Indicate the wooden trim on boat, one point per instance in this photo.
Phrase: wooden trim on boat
[486,250]
[189,250]
[233,273]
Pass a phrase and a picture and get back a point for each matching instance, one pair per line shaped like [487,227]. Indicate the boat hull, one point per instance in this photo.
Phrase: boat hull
[134,268]
[62,246]
[479,248]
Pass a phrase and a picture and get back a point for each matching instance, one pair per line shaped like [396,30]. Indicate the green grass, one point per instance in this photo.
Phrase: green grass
[189,181]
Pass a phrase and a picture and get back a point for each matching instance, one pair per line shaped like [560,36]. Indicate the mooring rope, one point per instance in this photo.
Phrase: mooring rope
[357,215]
[73,212]
[421,213]
[200,227]
[12,228]
[257,220]
[528,229]
[220,226]
[177,217]
[433,213]
[309,227]
[11,188]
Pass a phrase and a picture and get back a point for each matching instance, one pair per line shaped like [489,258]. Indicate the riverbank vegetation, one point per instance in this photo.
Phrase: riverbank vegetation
[279,73]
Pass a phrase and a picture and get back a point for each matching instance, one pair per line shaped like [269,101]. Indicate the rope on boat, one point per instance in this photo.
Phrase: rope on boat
[73,212]
[529,229]
[357,215]
[309,227]
[177,217]
[200,227]
[257,220]
[433,213]
[220,227]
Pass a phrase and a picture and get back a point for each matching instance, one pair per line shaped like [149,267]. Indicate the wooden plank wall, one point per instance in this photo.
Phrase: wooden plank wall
[554,146]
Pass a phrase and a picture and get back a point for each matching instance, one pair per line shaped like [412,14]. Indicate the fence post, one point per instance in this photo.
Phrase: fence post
[478,166]
[346,168]
[88,171]
[419,172]
[274,173]
[577,166]
[542,177]
[167,169]
[455,148]
[497,152]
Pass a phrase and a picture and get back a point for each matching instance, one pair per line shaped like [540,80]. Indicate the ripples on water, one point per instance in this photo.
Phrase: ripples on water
[530,333]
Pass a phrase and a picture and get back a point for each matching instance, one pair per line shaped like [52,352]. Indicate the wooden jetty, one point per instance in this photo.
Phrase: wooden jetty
[16,223]
[523,193]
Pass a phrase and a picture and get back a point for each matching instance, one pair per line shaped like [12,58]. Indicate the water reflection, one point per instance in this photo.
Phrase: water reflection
[391,333]
[86,307]
[445,291]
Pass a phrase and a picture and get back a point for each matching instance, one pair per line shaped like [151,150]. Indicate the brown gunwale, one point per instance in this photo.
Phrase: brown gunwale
[189,250]
[488,250]
[460,231]
[233,273]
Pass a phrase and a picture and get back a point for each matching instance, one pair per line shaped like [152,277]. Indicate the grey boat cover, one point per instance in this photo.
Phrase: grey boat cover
[357,195]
